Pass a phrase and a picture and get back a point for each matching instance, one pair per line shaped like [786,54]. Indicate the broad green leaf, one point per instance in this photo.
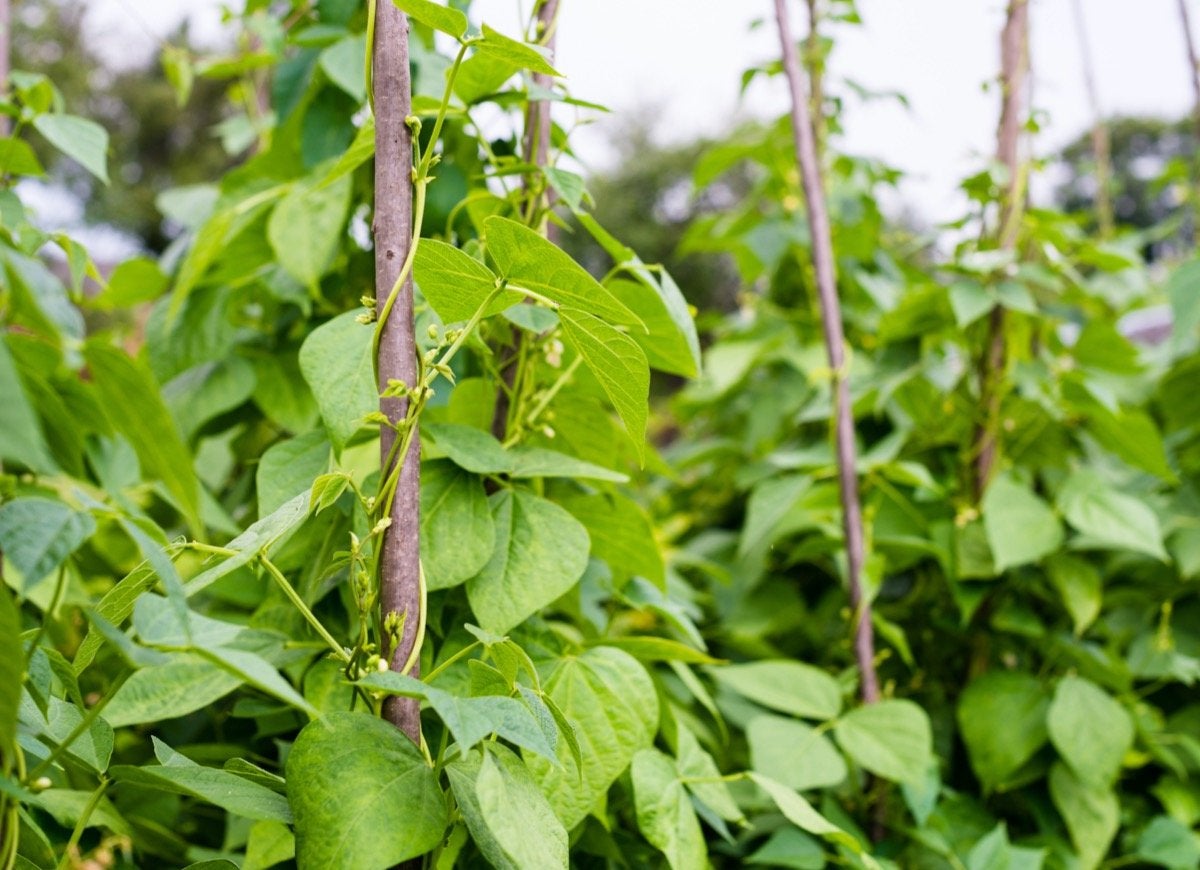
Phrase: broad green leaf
[519,55]
[182,685]
[540,553]
[336,362]
[157,624]
[207,391]
[612,702]
[67,807]
[133,282]
[305,229]
[478,451]
[479,76]
[800,813]
[1079,585]
[526,259]
[621,535]
[229,791]
[1020,527]
[670,343]
[618,364]
[657,649]
[38,534]
[259,538]
[787,686]
[12,667]
[17,158]
[703,777]
[992,852]
[84,141]
[470,720]
[268,844]
[130,399]
[455,283]
[793,753]
[345,62]
[447,19]
[351,777]
[282,394]
[1133,436]
[23,441]
[290,467]
[1092,814]
[1002,719]
[1091,731]
[792,848]
[507,814]
[361,149]
[92,746]
[664,812]
[1110,519]
[1167,842]
[891,739]
[457,532]
[769,504]
[259,673]
[1183,289]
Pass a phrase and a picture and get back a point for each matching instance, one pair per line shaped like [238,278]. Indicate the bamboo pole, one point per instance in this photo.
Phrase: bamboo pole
[1194,69]
[835,340]
[399,583]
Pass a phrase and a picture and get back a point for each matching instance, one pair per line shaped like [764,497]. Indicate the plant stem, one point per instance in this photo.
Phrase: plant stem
[298,602]
[835,340]
[89,808]
[1014,72]
[394,219]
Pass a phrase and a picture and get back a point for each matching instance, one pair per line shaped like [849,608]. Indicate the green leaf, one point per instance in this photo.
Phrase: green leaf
[1133,436]
[1092,813]
[207,391]
[670,343]
[526,259]
[38,534]
[435,15]
[1110,519]
[540,553]
[769,505]
[457,532]
[84,141]
[1079,585]
[703,777]
[23,441]
[1167,842]
[478,451]
[664,812]
[1002,719]
[618,364]
[351,777]
[657,649]
[787,686]
[269,843]
[336,362]
[305,229]
[508,816]
[67,807]
[290,467]
[183,684]
[800,813]
[133,282]
[12,667]
[345,62]
[891,739]
[519,55]
[259,538]
[455,284]
[259,673]
[470,720]
[92,747]
[613,704]
[17,158]
[621,535]
[1020,527]
[1091,731]
[180,775]
[131,402]
[793,753]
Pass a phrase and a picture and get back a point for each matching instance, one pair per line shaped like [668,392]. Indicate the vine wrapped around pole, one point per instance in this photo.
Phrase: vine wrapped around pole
[1014,73]
[400,566]
[835,340]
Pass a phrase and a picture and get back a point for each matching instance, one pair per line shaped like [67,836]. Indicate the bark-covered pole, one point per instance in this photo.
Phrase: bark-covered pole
[1194,69]
[5,42]
[1101,145]
[399,576]
[835,340]
[1014,75]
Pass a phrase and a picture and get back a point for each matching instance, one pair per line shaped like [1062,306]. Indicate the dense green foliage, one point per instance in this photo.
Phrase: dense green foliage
[632,655]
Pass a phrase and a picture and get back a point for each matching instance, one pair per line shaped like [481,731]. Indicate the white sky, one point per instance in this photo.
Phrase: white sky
[683,59]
